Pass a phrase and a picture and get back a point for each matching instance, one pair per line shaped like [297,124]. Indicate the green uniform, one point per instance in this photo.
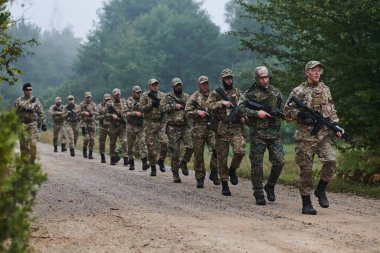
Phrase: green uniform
[88,123]
[59,127]
[72,122]
[104,124]
[117,128]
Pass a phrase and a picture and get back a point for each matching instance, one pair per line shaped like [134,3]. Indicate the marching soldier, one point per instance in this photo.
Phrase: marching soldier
[154,125]
[177,129]
[202,132]
[27,108]
[104,124]
[57,113]
[135,129]
[223,102]
[72,119]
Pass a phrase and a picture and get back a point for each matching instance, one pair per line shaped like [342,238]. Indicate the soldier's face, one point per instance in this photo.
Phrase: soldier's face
[136,94]
[263,80]
[88,99]
[228,81]
[177,88]
[203,87]
[314,74]
[28,92]
[58,103]
[116,96]
[153,87]
[71,101]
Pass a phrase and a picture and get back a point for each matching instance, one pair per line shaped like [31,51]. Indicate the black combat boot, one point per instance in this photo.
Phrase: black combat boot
[72,151]
[200,183]
[55,148]
[153,171]
[145,164]
[307,207]
[321,194]
[260,200]
[117,157]
[102,158]
[161,164]
[233,178]
[176,178]
[132,164]
[185,170]
[225,189]
[270,193]
[113,161]
[63,148]
[90,154]
[126,161]
[85,152]
[214,177]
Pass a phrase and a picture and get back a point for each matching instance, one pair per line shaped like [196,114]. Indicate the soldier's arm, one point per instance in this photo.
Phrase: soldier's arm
[145,104]
[291,112]
[100,116]
[213,102]
[334,116]
[167,105]
[190,111]
[40,113]
[51,111]
[243,110]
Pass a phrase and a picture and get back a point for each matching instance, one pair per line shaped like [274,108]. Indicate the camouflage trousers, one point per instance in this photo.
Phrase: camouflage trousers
[136,138]
[28,142]
[176,136]
[256,155]
[74,127]
[305,152]
[59,130]
[202,136]
[156,139]
[70,135]
[118,131]
[89,138]
[229,134]
[103,133]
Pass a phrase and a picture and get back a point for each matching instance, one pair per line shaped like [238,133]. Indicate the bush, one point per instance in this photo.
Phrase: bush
[19,181]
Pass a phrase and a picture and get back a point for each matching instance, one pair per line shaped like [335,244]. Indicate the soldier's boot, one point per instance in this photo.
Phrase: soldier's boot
[233,177]
[132,164]
[214,177]
[260,200]
[161,164]
[102,158]
[63,148]
[145,164]
[113,161]
[126,161]
[225,189]
[307,207]
[200,183]
[55,148]
[153,171]
[176,178]
[117,157]
[90,154]
[270,193]
[185,170]
[321,194]
[85,152]
[72,151]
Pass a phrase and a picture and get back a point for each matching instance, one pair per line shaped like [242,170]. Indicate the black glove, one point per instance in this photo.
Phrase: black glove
[38,124]
[155,103]
[43,127]
[305,118]
[83,131]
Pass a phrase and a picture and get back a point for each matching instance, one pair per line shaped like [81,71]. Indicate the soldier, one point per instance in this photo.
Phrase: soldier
[223,102]
[104,124]
[135,129]
[88,111]
[69,113]
[154,125]
[72,118]
[316,95]
[202,132]
[27,108]
[115,112]
[177,129]
[57,113]
[264,132]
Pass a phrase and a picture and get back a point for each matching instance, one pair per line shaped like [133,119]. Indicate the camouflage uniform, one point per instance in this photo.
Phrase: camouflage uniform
[104,124]
[177,129]
[230,131]
[265,134]
[72,121]
[154,126]
[201,135]
[88,124]
[117,128]
[27,108]
[59,128]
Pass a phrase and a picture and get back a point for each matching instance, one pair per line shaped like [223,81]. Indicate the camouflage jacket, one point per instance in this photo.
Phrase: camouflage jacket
[268,96]
[71,113]
[89,121]
[191,111]
[120,108]
[168,105]
[104,121]
[317,97]
[214,104]
[151,113]
[30,110]
[133,106]
[57,113]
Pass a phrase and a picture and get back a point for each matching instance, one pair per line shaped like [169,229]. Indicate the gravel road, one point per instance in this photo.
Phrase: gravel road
[86,206]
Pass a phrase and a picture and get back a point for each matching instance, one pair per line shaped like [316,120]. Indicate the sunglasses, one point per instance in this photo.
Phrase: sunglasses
[28,89]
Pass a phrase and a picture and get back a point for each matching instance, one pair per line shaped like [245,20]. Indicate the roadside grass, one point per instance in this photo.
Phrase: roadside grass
[289,175]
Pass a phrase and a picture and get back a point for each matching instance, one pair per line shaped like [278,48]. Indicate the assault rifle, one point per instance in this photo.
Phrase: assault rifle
[233,116]
[212,122]
[156,100]
[112,110]
[72,116]
[29,110]
[274,112]
[178,101]
[318,119]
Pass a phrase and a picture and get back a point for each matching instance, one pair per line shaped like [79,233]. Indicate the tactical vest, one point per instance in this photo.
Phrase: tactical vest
[58,119]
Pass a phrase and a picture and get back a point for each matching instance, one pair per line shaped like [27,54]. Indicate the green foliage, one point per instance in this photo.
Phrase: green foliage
[18,187]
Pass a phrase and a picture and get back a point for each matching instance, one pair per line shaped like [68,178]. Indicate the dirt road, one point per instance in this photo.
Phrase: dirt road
[86,206]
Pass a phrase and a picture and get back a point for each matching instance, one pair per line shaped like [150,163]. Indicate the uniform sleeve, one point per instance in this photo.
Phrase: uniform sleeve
[51,111]
[190,110]
[213,102]
[243,110]
[167,104]
[145,103]
[334,116]
[290,111]
[40,113]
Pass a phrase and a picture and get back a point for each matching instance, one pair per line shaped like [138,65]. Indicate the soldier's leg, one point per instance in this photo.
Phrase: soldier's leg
[70,135]
[163,138]
[150,143]
[276,157]
[199,165]
[188,145]
[256,154]
[76,133]
[55,134]
[33,142]
[222,148]
[131,137]
[102,140]
[141,139]
[238,147]
[214,158]
[174,142]
[25,142]
[91,133]
[124,144]
[305,151]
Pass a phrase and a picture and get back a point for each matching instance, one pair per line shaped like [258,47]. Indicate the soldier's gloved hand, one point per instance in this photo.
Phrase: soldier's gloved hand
[305,118]
[38,124]
[155,103]
[44,127]
[83,131]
